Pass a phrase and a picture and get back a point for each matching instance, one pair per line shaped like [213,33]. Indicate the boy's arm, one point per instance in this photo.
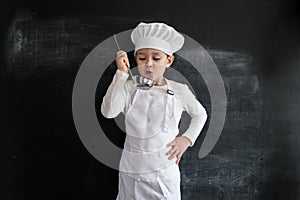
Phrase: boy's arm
[115,98]
[198,114]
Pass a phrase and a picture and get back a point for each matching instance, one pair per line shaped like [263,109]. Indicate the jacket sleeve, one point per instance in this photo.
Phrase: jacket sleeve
[114,100]
[198,115]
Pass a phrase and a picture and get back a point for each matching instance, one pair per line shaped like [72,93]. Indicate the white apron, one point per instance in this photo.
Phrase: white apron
[146,173]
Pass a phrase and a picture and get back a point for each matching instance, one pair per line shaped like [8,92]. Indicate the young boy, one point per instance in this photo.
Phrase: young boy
[149,165]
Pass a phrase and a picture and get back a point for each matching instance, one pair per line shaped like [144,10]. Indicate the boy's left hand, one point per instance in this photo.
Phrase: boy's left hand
[179,146]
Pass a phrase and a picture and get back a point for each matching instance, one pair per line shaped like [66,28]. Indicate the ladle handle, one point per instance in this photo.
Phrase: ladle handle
[130,73]
[116,41]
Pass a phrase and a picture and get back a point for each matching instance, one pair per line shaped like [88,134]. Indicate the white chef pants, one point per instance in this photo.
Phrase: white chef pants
[159,185]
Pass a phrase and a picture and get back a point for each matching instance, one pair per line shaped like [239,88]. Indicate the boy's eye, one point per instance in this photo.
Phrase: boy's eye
[157,58]
[142,58]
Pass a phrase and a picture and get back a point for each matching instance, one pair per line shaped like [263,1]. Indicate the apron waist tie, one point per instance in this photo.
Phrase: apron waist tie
[133,162]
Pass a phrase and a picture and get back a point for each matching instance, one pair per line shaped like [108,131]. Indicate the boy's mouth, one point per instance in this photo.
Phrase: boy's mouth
[148,72]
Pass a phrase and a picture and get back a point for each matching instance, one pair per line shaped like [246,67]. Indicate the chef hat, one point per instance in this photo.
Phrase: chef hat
[157,36]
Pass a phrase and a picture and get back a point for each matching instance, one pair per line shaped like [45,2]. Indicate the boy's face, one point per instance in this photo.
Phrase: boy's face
[152,63]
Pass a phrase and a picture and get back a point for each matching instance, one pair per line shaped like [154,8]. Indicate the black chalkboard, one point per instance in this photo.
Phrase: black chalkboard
[255,45]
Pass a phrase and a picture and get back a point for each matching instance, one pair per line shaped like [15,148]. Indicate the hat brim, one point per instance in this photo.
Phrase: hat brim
[153,43]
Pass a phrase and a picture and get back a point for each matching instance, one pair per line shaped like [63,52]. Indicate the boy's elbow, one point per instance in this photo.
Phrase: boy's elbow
[106,113]
[205,115]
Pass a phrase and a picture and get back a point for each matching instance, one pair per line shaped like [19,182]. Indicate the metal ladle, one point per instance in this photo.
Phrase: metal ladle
[140,82]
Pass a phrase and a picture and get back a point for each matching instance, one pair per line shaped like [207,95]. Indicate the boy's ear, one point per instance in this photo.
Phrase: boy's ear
[170,60]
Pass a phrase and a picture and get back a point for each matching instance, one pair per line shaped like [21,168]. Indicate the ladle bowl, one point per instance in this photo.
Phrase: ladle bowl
[142,82]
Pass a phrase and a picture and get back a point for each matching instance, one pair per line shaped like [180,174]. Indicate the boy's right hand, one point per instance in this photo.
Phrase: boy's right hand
[122,61]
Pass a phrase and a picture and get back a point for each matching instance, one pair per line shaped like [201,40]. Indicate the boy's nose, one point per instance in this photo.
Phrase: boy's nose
[149,63]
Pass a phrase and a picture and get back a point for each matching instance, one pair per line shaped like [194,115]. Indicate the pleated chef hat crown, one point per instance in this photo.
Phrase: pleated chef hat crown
[157,36]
